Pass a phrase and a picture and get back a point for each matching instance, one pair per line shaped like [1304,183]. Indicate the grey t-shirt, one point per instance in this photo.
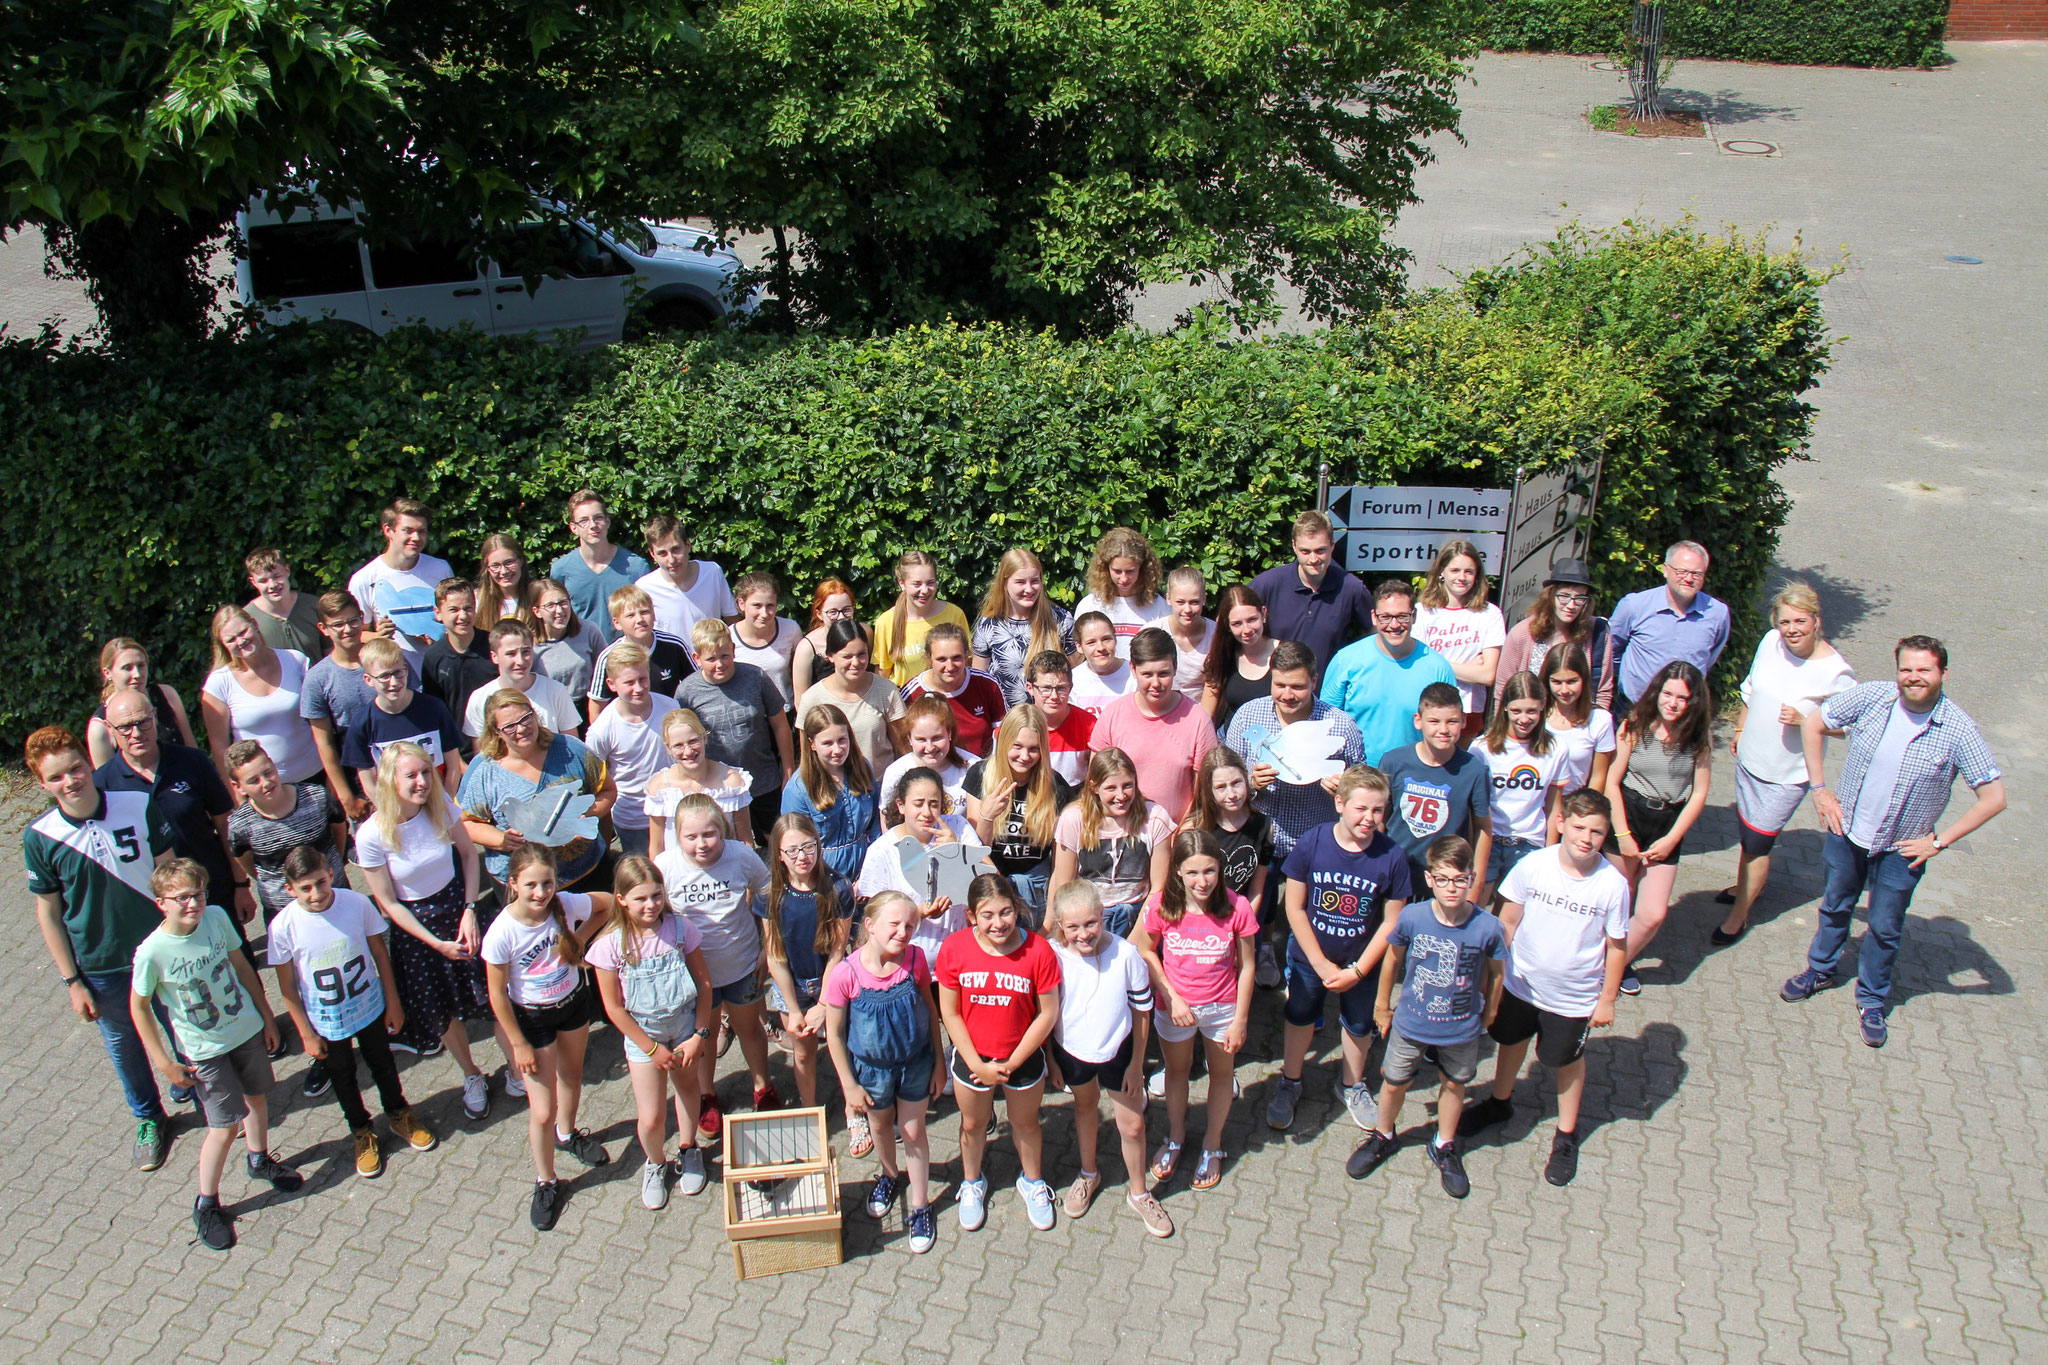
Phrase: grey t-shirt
[735,715]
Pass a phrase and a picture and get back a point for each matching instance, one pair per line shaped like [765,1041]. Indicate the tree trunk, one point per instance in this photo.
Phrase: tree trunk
[1645,75]
[145,277]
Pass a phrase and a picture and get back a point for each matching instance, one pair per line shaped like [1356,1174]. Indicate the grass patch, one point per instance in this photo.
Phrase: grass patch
[1604,116]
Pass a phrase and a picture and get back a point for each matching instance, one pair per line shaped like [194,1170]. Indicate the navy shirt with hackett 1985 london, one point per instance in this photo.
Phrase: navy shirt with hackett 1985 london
[1347,892]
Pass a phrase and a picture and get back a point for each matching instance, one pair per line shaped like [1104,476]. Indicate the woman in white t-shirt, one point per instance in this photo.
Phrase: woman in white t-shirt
[422,871]
[1795,670]
[1527,765]
[1192,632]
[1123,584]
[542,996]
[253,693]
[916,810]
[933,734]
[1454,618]
[1099,1044]
[1584,731]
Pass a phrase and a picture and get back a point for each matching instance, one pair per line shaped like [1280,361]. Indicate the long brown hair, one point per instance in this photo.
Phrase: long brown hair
[1436,596]
[1224,650]
[1694,733]
[995,603]
[567,946]
[1568,657]
[1206,813]
[635,871]
[1123,543]
[1105,765]
[1523,686]
[1173,897]
[818,786]
[1544,621]
[1041,796]
[489,598]
[832,924]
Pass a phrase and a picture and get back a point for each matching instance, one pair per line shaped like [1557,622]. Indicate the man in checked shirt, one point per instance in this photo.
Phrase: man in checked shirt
[1907,743]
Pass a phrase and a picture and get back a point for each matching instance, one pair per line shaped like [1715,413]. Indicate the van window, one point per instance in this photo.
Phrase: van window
[428,260]
[293,260]
[561,250]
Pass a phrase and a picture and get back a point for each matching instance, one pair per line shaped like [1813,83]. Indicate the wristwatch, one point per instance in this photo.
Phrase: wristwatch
[241,886]
[70,981]
[702,1033]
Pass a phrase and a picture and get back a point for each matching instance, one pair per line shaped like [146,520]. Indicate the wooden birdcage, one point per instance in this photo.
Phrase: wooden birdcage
[781,1193]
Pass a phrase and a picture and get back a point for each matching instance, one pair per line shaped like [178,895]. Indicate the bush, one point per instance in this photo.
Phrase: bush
[153,475]
[1808,32]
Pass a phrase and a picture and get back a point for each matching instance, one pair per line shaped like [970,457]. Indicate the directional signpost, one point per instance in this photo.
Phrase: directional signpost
[1394,530]
[1551,519]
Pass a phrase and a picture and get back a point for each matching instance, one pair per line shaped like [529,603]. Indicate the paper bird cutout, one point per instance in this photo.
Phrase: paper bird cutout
[1302,753]
[942,869]
[555,816]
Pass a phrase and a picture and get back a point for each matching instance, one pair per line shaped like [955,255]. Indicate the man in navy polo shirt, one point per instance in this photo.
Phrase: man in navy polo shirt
[1311,602]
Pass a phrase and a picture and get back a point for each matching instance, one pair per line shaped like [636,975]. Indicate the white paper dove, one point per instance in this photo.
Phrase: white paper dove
[941,869]
[554,817]
[1302,753]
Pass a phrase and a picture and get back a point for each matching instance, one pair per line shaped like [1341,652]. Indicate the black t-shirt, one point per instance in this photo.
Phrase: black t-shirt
[1012,849]
[668,663]
[1245,851]
[189,795]
[1238,690]
[450,677]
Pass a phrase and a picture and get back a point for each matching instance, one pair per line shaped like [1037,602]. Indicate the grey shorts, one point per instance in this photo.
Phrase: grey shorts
[1458,1062]
[1766,807]
[227,1081]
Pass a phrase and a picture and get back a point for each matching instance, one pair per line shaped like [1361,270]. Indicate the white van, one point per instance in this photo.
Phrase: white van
[312,266]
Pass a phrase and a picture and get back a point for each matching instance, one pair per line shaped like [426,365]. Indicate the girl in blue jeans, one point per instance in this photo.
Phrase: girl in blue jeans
[881,1019]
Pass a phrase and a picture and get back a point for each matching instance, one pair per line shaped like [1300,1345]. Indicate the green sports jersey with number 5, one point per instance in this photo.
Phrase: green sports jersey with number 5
[193,976]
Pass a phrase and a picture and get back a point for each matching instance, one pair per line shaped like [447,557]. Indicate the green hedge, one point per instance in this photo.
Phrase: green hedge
[144,480]
[1805,32]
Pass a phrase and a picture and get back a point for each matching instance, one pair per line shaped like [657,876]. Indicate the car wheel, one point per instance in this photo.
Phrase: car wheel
[672,317]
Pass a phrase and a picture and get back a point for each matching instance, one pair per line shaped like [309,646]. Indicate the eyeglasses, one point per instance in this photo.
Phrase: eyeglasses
[1448,879]
[132,727]
[837,613]
[518,722]
[382,678]
[1386,620]
[801,850]
[593,519]
[1690,575]
[1572,599]
[1050,689]
[184,897]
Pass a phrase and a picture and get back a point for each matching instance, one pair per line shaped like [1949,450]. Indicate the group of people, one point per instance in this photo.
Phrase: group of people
[636,793]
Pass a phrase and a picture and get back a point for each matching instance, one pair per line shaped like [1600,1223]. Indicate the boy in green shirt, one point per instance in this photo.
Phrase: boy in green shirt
[193,968]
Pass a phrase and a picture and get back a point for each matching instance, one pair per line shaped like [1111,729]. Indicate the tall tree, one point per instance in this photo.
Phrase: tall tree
[1040,162]
[132,132]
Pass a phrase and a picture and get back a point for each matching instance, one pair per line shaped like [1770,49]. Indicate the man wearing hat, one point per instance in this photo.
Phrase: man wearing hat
[1563,612]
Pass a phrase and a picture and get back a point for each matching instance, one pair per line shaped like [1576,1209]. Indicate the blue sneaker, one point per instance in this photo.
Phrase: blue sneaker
[1874,1031]
[1807,983]
[881,1195]
[973,1204]
[924,1229]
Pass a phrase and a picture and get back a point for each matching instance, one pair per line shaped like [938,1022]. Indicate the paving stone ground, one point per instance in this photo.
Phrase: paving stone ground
[1755,1185]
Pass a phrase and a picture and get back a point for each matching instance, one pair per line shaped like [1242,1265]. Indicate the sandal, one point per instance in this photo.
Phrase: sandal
[1164,1163]
[1208,1171]
[860,1137]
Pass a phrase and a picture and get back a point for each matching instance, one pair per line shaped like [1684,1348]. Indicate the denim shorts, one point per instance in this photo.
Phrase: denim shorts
[744,991]
[807,989]
[891,1082]
[1307,997]
[1506,853]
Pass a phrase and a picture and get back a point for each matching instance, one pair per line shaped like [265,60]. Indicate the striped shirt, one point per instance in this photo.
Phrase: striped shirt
[1949,745]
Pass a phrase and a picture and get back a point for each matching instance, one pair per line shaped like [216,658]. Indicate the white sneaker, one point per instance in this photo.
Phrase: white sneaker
[973,1204]
[690,1177]
[1155,1084]
[1268,974]
[1037,1196]
[654,1185]
[476,1095]
[1359,1103]
[515,1084]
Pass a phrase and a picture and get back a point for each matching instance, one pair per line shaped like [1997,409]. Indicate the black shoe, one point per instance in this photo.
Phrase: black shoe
[583,1147]
[1725,898]
[1479,1117]
[283,1048]
[317,1082]
[1722,939]
[280,1176]
[1564,1159]
[1376,1148]
[214,1228]
[1456,1184]
[547,1203]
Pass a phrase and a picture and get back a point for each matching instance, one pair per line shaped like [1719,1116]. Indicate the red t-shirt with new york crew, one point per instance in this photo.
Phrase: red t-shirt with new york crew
[998,994]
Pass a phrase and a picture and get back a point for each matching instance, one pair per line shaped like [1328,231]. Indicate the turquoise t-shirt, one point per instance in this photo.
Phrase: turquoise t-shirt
[1380,693]
[194,976]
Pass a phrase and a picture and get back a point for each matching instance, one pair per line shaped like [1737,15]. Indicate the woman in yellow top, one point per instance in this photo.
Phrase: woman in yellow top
[900,632]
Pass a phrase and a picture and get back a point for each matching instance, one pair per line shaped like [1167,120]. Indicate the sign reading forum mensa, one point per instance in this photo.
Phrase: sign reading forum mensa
[1399,530]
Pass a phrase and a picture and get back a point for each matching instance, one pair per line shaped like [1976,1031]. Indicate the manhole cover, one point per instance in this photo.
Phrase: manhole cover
[1605,66]
[1749,147]
[1965,260]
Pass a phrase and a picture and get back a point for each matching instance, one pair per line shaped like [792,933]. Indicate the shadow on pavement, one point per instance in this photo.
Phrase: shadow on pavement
[1724,106]
[1844,603]
[1939,956]
[1627,1078]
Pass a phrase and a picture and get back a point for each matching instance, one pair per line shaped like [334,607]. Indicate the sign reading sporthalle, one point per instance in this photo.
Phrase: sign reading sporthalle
[1401,529]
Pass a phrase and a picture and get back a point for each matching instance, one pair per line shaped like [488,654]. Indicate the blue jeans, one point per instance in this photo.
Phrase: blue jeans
[110,991]
[632,842]
[1892,883]
[1031,891]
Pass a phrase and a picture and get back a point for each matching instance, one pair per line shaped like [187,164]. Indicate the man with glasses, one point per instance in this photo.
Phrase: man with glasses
[1378,682]
[1049,686]
[596,568]
[1657,626]
[187,792]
